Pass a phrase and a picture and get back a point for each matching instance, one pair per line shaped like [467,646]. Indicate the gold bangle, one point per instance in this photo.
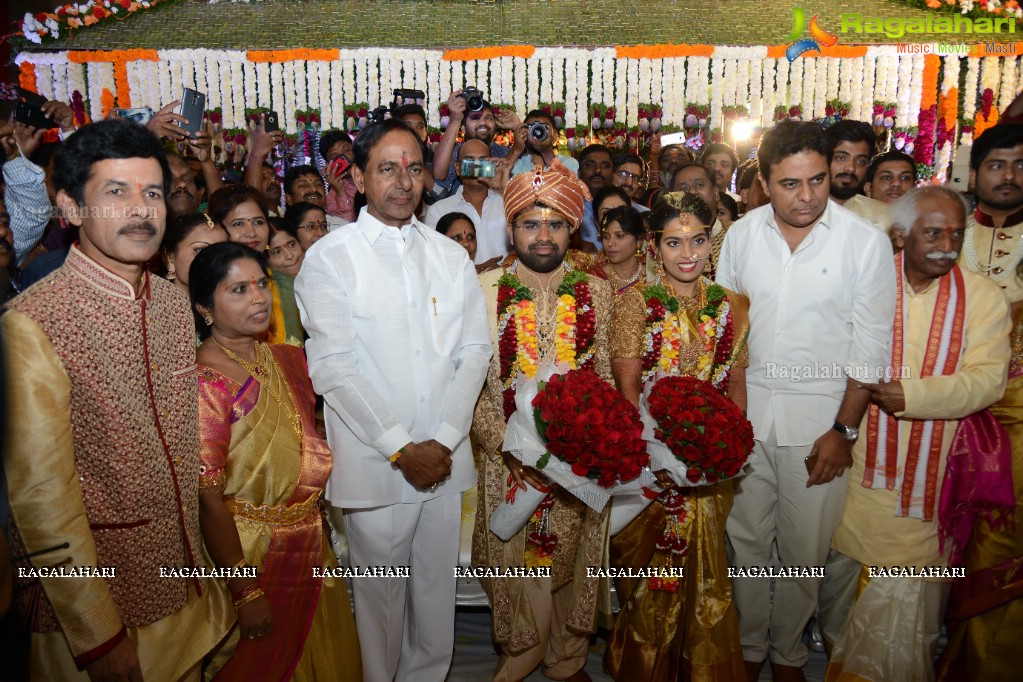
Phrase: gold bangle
[250,597]
[396,456]
[234,569]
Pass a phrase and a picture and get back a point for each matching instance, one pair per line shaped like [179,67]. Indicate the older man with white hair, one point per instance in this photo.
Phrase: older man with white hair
[950,354]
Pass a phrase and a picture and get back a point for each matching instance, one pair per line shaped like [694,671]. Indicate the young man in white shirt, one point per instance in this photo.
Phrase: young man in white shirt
[398,347]
[821,283]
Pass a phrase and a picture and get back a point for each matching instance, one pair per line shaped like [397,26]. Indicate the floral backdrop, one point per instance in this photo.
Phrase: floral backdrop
[923,103]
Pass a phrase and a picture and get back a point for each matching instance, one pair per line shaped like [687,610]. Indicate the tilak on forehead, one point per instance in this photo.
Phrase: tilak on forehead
[404,158]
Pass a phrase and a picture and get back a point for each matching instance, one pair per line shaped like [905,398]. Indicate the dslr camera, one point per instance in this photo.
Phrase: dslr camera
[379,115]
[538,131]
[473,98]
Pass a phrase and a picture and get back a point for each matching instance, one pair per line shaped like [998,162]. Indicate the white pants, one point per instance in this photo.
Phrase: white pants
[406,626]
[772,503]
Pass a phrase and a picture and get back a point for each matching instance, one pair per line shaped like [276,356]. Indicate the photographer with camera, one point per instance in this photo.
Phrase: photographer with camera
[480,197]
[540,135]
[469,107]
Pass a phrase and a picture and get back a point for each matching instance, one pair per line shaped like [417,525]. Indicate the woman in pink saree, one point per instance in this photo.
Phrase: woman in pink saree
[263,469]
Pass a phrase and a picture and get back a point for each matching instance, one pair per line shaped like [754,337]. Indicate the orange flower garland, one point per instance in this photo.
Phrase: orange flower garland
[271,56]
[471,54]
[27,76]
[662,51]
[929,94]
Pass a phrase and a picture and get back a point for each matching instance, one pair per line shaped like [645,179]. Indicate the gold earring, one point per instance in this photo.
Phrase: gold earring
[208,320]
[171,276]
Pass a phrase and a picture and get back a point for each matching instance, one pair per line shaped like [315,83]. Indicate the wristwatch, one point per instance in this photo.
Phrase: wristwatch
[848,432]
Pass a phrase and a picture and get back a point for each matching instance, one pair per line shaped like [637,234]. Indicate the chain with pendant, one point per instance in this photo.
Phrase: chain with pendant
[260,371]
[692,342]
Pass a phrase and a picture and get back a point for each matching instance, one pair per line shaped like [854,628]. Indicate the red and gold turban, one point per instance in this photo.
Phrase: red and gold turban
[556,188]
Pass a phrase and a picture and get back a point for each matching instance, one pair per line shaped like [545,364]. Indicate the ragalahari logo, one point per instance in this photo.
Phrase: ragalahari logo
[818,36]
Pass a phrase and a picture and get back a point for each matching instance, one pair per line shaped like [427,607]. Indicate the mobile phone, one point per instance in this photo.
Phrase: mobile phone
[673,138]
[32,115]
[478,168]
[811,463]
[140,115]
[340,165]
[193,108]
[271,123]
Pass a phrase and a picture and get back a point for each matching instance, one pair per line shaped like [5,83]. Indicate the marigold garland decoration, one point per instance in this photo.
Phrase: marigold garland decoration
[471,54]
[518,342]
[27,76]
[663,335]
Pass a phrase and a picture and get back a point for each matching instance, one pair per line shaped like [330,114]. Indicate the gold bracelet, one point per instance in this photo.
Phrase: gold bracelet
[234,569]
[250,597]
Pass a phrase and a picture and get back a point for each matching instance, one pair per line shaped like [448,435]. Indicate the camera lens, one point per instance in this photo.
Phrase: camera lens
[538,131]
[474,103]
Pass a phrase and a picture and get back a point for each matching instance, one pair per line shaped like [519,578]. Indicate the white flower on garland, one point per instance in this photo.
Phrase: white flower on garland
[809,84]
[717,75]
[796,68]
[990,75]
[277,88]
[632,85]
[1007,88]
[821,87]
[520,84]
[337,97]
[620,89]
[312,87]
[237,96]
[855,93]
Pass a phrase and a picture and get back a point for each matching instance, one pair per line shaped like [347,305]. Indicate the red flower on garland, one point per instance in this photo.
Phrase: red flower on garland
[703,428]
[589,425]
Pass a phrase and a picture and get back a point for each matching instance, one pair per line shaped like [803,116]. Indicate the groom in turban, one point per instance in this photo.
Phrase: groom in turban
[539,620]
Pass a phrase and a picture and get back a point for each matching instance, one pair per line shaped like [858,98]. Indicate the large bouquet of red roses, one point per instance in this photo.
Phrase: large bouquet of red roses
[705,431]
[582,434]
[590,426]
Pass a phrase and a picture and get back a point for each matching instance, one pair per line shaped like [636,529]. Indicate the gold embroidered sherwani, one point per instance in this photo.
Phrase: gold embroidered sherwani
[875,212]
[102,453]
[582,532]
[870,532]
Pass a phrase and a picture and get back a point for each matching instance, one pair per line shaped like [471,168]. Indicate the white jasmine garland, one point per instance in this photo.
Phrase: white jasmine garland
[1008,88]
[833,84]
[419,76]
[165,86]
[288,122]
[237,92]
[903,91]
[95,91]
[751,73]
[571,92]
[44,81]
[646,76]
[916,86]
[507,80]
[337,97]
[781,87]
[263,90]
[374,96]
[859,86]
[820,87]
[621,91]
[520,84]
[728,97]
[990,77]
[597,80]
[546,79]
[667,89]
[582,105]
[457,76]
[361,77]
[765,115]
[251,84]
[610,71]
[632,85]
[558,65]
[276,89]
[717,75]
[971,88]
[188,74]
[795,96]
[809,87]
[348,77]
[59,75]
[313,87]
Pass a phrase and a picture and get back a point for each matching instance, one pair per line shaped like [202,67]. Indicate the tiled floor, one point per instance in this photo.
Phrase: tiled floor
[475,658]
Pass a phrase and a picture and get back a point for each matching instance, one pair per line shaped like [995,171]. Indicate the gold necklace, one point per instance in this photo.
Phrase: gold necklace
[260,372]
[694,303]
[618,283]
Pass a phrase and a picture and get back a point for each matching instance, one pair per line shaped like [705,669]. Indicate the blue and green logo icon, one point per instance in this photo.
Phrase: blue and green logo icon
[800,45]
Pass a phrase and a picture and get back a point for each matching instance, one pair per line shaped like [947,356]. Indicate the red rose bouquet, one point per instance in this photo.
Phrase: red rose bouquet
[705,431]
[582,434]
[590,426]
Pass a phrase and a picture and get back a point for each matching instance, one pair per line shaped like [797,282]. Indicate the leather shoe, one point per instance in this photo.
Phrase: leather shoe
[752,670]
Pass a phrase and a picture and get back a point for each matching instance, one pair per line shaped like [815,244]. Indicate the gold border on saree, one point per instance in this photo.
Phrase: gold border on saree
[274,514]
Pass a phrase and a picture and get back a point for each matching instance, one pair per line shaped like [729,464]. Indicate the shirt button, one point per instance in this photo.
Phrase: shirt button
[164,414]
[155,366]
[422,400]
[418,353]
[414,304]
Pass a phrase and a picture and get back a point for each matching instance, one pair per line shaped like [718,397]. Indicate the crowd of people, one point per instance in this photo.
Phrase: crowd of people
[206,379]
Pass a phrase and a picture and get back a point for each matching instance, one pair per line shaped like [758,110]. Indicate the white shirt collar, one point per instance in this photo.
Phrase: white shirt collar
[372,228]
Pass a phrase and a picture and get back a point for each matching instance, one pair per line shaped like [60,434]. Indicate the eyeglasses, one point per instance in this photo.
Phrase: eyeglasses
[533,226]
[315,227]
[626,175]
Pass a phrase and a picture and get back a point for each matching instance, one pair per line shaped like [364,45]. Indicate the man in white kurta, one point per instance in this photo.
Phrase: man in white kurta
[399,347]
[821,285]
[893,629]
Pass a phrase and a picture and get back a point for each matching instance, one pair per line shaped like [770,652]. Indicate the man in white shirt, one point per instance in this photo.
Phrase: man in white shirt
[475,198]
[398,347]
[821,284]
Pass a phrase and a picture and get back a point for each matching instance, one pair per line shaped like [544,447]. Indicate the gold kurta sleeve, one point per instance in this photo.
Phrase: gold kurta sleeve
[628,324]
[45,496]
[980,377]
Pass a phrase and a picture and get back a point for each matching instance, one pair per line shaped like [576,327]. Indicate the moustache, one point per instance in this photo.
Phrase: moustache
[942,255]
[537,245]
[1008,185]
[846,175]
[145,226]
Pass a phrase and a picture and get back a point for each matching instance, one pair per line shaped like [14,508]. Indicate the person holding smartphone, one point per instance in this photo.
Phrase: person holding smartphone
[336,150]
